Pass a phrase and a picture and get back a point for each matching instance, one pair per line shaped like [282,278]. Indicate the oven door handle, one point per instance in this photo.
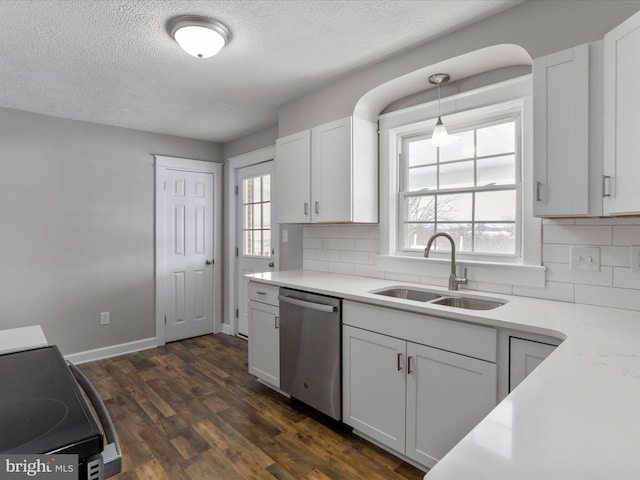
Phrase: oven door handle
[304,304]
[111,455]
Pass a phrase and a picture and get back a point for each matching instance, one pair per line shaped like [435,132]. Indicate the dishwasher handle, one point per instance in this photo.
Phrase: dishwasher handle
[305,304]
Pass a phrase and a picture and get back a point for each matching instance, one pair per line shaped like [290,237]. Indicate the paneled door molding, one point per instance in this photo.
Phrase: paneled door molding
[166,167]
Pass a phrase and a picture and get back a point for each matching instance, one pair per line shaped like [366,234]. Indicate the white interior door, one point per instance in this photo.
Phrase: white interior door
[188,254]
[256,244]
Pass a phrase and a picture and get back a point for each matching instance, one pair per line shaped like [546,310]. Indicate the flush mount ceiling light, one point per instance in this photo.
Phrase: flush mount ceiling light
[440,137]
[201,37]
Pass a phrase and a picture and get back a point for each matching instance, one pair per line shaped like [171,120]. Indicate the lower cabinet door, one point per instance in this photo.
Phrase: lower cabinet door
[447,395]
[374,383]
[264,342]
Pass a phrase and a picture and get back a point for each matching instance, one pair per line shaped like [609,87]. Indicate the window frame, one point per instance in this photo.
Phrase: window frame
[250,231]
[525,270]
[475,119]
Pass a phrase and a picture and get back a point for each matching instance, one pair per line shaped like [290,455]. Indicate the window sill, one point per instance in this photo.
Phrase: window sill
[491,272]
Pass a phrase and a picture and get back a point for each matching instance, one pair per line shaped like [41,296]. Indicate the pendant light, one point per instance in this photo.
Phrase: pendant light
[440,137]
[200,37]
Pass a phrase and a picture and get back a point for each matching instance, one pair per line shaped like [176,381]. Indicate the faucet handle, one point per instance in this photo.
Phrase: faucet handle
[463,280]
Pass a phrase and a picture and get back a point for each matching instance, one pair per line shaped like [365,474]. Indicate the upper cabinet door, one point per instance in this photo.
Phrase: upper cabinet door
[293,177]
[328,174]
[331,172]
[622,118]
[344,171]
[561,133]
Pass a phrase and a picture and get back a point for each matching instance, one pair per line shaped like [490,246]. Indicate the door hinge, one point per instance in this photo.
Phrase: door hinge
[237,313]
[236,251]
[164,185]
[237,189]
[165,319]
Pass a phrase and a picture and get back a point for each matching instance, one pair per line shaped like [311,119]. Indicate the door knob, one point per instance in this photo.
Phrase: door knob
[209,262]
[271,264]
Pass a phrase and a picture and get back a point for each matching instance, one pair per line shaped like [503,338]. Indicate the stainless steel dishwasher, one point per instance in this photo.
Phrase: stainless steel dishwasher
[310,359]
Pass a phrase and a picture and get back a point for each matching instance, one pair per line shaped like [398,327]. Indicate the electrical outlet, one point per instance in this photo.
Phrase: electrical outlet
[285,236]
[585,259]
[104,318]
[635,259]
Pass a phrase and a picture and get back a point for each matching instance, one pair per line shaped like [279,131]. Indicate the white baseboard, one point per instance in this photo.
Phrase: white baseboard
[228,329]
[111,351]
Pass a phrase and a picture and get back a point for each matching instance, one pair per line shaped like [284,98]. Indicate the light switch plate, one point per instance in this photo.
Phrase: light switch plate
[585,259]
[635,259]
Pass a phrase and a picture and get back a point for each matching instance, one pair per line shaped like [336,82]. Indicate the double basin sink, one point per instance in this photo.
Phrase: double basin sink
[436,298]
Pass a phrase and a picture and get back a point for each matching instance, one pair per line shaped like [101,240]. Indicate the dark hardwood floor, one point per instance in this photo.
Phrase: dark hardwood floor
[190,410]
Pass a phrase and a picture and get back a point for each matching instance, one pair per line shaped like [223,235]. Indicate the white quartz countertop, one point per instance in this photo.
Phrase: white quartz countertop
[577,416]
[23,338]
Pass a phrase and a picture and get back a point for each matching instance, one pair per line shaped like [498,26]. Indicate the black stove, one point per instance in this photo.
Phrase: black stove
[43,409]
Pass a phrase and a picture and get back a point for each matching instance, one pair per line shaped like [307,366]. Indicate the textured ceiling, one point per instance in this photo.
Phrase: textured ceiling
[112,61]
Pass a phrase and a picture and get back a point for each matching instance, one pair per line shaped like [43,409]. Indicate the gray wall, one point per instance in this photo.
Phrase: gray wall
[539,26]
[253,141]
[77,227]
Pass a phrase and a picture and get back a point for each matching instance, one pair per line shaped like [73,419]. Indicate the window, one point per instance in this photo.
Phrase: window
[480,190]
[469,189]
[256,207]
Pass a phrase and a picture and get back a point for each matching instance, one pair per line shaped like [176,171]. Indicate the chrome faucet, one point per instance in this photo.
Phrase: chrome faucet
[454,280]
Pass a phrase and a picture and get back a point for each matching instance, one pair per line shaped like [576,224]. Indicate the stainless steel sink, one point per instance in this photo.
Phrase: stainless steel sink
[468,303]
[440,298]
[409,294]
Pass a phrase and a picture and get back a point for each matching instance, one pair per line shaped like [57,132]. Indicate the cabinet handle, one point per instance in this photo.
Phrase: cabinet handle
[606,182]
[538,187]
[399,361]
[261,293]
[276,322]
[409,365]
[317,207]
[306,208]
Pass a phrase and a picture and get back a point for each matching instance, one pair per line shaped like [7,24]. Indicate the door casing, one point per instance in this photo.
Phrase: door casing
[232,166]
[161,164]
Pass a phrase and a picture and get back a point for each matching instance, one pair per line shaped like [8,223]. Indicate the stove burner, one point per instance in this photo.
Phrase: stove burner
[25,421]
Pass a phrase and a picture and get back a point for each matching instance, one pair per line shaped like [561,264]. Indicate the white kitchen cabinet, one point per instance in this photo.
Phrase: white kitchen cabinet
[264,333]
[413,398]
[374,385]
[328,174]
[567,112]
[524,358]
[447,395]
[293,171]
[621,118]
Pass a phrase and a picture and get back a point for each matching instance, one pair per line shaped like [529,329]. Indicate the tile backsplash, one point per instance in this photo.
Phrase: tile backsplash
[352,250]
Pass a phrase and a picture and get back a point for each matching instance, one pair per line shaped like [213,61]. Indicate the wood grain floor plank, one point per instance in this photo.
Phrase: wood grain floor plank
[160,446]
[191,411]
[315,475]
[228,439]
[212,464]
[189,446]
[136,451]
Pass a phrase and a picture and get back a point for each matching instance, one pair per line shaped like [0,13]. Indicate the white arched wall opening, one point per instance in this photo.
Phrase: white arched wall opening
[473,63]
